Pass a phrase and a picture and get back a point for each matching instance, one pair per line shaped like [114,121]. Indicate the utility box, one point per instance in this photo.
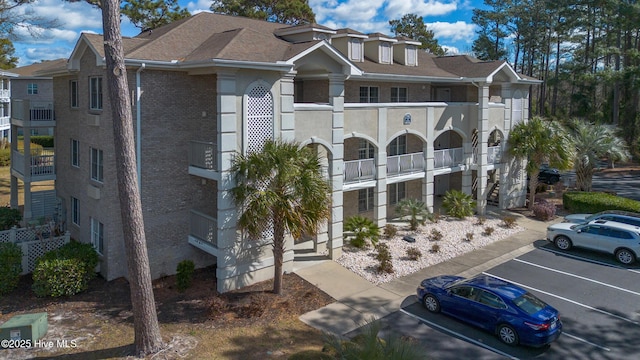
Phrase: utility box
[25,327]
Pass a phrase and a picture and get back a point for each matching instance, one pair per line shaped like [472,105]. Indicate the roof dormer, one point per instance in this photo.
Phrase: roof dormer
[405,51]
[350,43]
[379,48]
[307,32]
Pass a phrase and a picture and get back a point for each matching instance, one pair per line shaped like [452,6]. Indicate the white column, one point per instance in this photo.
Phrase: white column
[287,113]
[483,137]
[336,99]
[380,201]
[427,181]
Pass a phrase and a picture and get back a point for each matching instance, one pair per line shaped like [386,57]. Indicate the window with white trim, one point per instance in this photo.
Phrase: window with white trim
[516,107]
[398,94]
[75,211]
[365,150]
[97,235]
[412,59]
[95,93]
[73,93]
[398,146]
[368,94]
[75,153]
[97,165]
[32,89]
[385,53]
[397,192]
[365,199]
[355,53]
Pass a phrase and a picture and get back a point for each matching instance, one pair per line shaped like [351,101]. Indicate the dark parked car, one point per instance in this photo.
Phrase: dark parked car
[549,176]
[513,314]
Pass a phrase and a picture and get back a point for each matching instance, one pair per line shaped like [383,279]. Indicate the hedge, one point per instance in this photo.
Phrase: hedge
[65,271]
[593,202]
[10,267]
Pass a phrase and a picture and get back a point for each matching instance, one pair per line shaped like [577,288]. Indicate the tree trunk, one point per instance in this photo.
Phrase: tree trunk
[147,331]
[278,257]
[533,185]
[584,177]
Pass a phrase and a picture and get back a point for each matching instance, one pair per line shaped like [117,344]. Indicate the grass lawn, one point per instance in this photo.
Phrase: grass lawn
[5,187]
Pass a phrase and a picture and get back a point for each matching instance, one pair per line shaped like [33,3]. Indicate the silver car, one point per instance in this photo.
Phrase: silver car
[621,240]
[626,217]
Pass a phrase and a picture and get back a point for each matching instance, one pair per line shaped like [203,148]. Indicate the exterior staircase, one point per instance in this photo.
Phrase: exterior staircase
[493,197]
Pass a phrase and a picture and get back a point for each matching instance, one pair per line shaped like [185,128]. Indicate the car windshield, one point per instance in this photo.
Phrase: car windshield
[589,218]
[529,303]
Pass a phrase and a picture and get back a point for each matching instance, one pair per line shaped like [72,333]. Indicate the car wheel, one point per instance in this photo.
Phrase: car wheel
[625,256]
[507,334]
[554,180]
[563,242]
[431,303]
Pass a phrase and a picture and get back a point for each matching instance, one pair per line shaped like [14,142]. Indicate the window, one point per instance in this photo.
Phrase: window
[411,55]
[32,89]
[75,211]
[365,199]
[95,93]
[492,300]
[398,146]
[397,192]
[465,291]
[97,235]
[365,150]
[385,53]
[97,172]
[73,93]
[356,49]
[75,153]
[398,94]
[368,94]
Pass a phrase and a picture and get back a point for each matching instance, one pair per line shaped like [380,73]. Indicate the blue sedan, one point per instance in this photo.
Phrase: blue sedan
[516,316]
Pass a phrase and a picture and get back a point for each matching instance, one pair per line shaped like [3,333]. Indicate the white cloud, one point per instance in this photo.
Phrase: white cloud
[457,31]
[68,15]
[198,6]
[396,9]
[30,55]
[347,12]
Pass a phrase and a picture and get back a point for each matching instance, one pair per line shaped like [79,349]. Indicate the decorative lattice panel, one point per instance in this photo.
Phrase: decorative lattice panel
[259,118]
[35,249]
[474,145]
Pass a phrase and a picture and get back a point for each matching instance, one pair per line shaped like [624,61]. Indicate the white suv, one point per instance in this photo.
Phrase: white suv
[621,240]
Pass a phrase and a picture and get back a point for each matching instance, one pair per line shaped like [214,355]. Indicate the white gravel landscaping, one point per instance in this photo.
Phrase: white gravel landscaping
[453,243]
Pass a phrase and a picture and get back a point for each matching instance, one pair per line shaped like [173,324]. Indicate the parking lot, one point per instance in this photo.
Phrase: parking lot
[598,301]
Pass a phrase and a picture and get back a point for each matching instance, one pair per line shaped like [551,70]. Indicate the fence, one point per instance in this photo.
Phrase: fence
[34,242]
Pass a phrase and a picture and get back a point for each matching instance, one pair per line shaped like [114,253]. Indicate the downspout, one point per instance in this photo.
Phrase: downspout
[138,132]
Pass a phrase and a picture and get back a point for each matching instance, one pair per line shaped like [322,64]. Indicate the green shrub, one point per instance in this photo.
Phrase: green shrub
[593,202]
[458,204]
[9,217]
[5,157]
[311,355]
[416,210]
[10,267]
[184,274]
[65,271]
[46,141]
[362,229]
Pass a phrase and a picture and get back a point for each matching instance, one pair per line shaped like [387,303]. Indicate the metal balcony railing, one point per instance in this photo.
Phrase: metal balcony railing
[203,154]
[447,158]
[405,163]
[203,227]
[359,170]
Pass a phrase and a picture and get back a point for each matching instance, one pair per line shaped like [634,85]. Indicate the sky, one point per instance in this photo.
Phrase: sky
[450,20]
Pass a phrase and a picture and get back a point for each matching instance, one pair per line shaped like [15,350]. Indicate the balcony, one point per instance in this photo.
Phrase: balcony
[32,113]
[359,170]
[5,94]
[5,122]
[203,232]
[494,154]
[203,159]
[40,167]
[405,164]
[447,158]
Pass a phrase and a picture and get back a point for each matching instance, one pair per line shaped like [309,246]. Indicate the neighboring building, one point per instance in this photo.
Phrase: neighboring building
[391,121]
[32,114]
[5,103]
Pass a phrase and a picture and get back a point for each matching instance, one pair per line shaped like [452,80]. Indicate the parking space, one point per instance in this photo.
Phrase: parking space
[598,301]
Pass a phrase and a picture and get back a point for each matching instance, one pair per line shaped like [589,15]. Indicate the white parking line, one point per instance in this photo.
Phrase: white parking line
[578,276]
[473,341]
[588,260]
[567,300]
[585,341]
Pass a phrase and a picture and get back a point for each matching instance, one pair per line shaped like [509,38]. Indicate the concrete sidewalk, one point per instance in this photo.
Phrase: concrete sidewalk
[359,301]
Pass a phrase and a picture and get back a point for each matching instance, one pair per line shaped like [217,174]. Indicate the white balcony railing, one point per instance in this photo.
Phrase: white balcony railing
[26,110]
[5,94]
[359,170]
[203,155]
[447,158]
[405,164]
[203,227]
[5,121]
[40,165]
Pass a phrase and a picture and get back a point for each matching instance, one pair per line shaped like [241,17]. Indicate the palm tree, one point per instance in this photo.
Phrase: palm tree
[593,142]
[416,210]
[539,141]
[280,189]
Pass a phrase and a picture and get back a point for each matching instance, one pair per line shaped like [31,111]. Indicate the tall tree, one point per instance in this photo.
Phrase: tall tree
[12,20]
[150,14]
[291,12]
[490,44]
[539,141]
[593,142]
[145,319]
[7,60]
[413,26]
[280,189]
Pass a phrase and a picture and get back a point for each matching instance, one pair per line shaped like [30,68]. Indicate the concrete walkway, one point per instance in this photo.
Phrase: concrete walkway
[359,301]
